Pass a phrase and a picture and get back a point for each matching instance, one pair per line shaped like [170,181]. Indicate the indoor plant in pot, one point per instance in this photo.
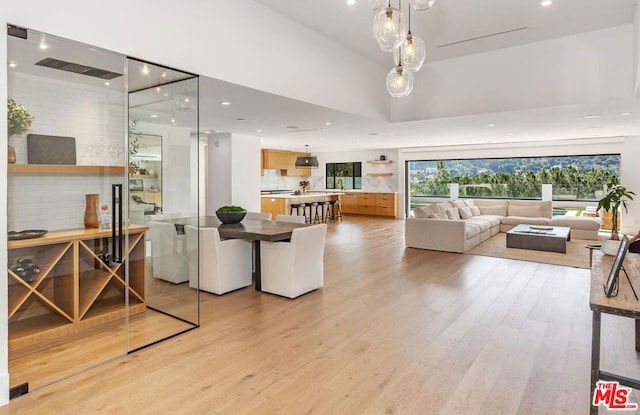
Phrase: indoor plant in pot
[18,122]
[615,197]
[231,214]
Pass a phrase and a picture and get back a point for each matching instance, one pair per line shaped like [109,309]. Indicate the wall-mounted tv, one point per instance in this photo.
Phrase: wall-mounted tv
[611,286]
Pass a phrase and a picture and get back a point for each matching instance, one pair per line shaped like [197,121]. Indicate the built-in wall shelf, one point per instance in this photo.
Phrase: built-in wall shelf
[380,174]
[379,161]
[65,169]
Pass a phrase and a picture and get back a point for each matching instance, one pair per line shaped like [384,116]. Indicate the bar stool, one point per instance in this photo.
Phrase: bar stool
[313,213]
[336,212]
[297,207]
[326,207]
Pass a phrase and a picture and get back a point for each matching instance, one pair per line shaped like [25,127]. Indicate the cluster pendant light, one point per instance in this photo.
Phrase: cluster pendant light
[392,31]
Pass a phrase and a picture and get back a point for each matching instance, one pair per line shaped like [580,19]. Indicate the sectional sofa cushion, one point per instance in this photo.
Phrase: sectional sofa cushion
[475,210]
[438,215]
[453,213]
[524,220]
[492,206]
[530,211]
[465,212]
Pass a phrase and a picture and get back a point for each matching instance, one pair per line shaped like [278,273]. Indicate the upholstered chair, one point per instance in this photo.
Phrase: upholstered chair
[168,261]
[290,218]
[258,216]
[293,268]
[223,265]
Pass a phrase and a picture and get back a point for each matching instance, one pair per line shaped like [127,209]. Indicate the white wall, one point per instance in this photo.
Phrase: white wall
[245,171]
[636,51]
[234,172]
[586,68]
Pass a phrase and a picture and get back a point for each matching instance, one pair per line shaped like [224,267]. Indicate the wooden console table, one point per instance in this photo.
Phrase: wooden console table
[76,287]
[624,305]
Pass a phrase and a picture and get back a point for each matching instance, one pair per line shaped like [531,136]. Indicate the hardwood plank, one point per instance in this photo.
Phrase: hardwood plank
[393,331]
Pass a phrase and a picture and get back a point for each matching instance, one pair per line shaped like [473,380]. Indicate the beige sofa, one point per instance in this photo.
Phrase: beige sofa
[459,225]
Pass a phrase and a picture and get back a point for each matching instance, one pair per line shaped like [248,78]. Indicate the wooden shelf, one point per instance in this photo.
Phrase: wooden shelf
[75,290]
[380,174]
[65,169]
[379,161]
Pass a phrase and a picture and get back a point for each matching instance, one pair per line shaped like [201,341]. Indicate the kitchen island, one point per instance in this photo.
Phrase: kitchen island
[279,204]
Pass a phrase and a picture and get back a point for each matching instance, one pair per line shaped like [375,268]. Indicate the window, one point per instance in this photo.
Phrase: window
[344,175]
[579,178]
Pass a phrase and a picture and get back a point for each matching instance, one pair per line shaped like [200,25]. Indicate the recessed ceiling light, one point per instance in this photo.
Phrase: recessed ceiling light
[164,74]
[258,131]
[545,3]
[225,103]
[491,125]
[327,123]
[207,132]
[321,138]
[107,83]
[43,46]
[351,2]
[621,126]
[626,113]
[593,116]
[145,69]
[186,99]
[153,115]
[12,64]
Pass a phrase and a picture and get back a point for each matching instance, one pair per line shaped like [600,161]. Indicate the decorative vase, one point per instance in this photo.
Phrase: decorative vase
[91,218]
[231,217]
[610,246]
[12,155]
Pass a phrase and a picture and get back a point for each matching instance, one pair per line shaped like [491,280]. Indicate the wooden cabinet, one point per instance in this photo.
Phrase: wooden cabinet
[365,203]
[76,287]
[275,206]
[283,160]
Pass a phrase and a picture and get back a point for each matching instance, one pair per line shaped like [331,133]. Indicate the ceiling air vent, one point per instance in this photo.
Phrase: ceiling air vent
[77,68]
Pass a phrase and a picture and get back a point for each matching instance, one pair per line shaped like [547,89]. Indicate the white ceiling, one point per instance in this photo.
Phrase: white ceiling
[447,22]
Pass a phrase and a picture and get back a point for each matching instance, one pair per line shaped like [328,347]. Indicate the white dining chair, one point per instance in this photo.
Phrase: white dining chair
[258,216]
[223,266]
[293,268]
[290,218]
[168,260]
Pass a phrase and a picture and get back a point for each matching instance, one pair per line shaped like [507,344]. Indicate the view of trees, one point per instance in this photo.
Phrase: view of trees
[572,177]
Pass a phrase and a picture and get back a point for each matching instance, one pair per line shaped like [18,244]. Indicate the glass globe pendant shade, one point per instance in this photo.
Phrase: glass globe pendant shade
[413,51]
[389,28]
[422,4]
[399,82]
[379,4]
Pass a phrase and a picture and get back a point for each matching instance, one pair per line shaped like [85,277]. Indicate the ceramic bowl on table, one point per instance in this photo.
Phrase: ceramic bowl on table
[230,217]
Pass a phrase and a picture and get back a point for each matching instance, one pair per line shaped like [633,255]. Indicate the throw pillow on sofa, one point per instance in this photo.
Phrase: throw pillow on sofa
[453,213]
[421,212]
[465,212]
[475,210]
[438,215]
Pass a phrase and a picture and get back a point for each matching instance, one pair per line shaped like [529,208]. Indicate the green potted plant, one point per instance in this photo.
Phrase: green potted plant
[616,196]
[231,214]
[18,122]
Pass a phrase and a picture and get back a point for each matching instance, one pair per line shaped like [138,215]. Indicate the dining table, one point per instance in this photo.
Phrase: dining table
[253,230]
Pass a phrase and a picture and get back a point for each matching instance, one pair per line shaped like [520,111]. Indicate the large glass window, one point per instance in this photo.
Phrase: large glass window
[344,175]
[581,178]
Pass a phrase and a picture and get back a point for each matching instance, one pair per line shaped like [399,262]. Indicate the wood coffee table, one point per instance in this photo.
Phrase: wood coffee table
[552,238]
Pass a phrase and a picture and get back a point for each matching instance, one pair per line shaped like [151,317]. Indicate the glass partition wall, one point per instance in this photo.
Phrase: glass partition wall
[82,288]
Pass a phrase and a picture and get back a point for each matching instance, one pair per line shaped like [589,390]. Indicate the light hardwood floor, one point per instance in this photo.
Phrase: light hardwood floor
[393,331]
